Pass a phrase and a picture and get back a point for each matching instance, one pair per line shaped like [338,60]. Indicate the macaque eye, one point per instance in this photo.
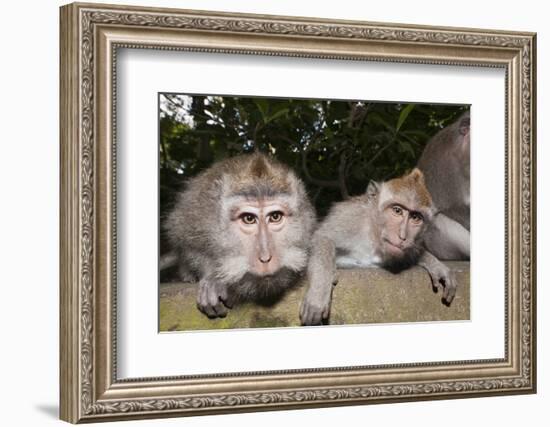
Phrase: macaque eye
[248,218]
[276,217]
[397,210]
[417,218]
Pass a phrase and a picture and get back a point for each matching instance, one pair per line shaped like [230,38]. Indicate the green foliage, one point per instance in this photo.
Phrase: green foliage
[335,146]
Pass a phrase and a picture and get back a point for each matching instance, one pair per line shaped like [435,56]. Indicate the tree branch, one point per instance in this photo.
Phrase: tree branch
[339,183]
[342,177]
[307,174]
[164,153]
[316,181]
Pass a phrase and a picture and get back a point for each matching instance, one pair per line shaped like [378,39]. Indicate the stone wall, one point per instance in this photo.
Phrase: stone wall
[371,295]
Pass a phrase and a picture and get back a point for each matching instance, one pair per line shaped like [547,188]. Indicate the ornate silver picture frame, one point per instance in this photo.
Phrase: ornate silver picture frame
[91,37]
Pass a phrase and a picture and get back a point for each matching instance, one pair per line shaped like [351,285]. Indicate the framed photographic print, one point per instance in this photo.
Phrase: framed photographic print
[332,146]
[264,212]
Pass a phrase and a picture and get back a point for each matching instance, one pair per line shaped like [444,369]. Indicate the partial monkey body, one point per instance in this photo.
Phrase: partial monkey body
[446,166]
[242,228]
[385,228]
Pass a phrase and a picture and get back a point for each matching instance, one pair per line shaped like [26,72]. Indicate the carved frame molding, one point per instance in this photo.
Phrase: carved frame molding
[90,36]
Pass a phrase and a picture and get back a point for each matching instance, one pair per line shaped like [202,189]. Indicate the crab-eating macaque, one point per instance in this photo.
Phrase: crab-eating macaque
[446,166]
[242,228]
[383,227]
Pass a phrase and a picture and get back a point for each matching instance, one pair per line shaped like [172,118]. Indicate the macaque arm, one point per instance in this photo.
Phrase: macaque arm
[321,275]
[448,239]
[440,275]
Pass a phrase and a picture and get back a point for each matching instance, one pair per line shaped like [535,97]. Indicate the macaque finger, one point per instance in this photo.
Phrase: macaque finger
[304,314]
[326,313]
[208,300]
[225,297]
[435,284]
[201,299]
[313,318]
[449,291]
[207,310]
[228,301]
[312,315]
[213,310]
[220,309]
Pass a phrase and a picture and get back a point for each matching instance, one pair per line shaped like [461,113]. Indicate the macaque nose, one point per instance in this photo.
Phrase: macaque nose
[403,230]
[265,258]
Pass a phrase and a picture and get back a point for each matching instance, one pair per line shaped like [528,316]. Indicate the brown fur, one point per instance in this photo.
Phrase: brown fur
[412,183]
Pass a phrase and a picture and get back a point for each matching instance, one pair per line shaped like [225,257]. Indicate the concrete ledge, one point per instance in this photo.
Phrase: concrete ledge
[371,295]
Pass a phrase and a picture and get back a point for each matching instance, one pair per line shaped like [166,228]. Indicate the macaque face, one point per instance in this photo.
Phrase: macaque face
[401,226]
[260,226]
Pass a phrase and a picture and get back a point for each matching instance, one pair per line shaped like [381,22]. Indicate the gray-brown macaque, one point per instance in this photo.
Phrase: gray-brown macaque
[446,166]
[383,227]
[242,228]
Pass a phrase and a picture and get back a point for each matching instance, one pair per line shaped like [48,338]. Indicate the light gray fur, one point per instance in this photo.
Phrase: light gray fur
[349,237]
[446,166]
[340,241]
[448,239]
[197,230]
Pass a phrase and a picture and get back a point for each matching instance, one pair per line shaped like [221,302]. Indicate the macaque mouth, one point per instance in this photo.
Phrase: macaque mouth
[265,270]
[401,247]
[264,275]
[265,290]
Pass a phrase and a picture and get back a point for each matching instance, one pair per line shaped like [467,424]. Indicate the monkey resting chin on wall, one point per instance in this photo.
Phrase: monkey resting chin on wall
[242,228]
[383,227]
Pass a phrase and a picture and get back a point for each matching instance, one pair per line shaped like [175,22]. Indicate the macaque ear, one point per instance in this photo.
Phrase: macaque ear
[373,189]
[417,175]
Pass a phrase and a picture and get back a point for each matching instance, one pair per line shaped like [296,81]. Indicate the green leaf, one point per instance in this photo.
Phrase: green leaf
[406,147]
[263,106]
[377,118]
[276,115]
[403,116]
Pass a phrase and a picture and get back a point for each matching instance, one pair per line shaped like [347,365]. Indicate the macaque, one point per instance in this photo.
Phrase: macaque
[446,166]
[383,227]
[242,228]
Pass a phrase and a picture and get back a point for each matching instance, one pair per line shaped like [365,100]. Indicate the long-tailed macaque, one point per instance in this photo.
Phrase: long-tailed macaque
[383,227]
[446,166]
[242,228]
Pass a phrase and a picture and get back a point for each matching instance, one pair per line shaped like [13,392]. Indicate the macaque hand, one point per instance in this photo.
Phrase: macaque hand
[213,299]
[316,306]
[443,277]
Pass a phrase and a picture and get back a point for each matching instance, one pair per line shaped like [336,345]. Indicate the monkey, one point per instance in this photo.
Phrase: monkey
[383,227]
[242,229]
[445,163]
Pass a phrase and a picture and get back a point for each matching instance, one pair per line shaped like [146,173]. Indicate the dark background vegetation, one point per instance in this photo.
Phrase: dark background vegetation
[335,146]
